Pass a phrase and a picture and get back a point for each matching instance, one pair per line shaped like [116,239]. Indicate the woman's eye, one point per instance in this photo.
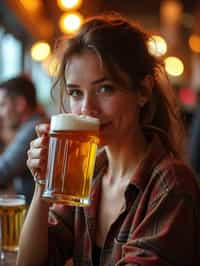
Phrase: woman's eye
[75,93]
[106,89]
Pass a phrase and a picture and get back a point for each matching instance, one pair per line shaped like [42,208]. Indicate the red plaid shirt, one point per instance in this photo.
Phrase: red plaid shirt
[159,225]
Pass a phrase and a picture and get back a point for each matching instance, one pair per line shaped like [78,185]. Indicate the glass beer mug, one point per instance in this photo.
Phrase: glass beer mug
[12,215]
[71,159]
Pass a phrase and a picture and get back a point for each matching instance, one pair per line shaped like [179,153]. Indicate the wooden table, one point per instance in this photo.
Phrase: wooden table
[10,259]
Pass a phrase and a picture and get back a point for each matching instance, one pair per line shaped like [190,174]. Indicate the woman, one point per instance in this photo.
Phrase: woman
[144,200]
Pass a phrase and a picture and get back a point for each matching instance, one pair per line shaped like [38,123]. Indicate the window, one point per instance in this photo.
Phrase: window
[11,56]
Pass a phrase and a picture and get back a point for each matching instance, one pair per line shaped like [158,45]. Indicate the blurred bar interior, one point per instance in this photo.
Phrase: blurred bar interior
[24,24]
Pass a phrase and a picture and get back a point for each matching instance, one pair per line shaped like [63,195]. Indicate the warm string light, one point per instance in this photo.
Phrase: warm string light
[174,66]
[69,4]
[157,45]
[40,51]
[70,22]
[194,43]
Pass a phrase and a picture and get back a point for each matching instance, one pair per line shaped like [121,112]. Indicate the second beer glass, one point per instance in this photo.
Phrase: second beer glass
[12,215]
[71,159]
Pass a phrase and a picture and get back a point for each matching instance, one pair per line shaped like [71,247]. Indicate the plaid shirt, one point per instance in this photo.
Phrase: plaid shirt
[159,224]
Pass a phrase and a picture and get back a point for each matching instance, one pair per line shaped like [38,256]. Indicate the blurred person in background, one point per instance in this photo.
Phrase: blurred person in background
[6,135]
[145,199]
[19,115]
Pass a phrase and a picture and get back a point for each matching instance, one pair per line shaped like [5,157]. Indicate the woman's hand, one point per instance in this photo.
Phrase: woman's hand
[38,152]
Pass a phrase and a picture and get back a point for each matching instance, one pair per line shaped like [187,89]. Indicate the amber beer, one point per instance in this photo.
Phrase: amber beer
[71,158]
[12,214]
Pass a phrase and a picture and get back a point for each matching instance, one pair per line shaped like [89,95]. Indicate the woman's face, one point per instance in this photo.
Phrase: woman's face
[93,92]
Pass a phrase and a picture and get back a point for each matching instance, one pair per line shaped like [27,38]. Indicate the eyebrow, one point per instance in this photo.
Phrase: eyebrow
[95,82]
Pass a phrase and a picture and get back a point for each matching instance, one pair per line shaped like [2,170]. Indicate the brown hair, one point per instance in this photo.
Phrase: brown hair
[123,44]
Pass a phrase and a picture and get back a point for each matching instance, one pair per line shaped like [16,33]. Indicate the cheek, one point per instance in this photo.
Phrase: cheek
[74,107]
[124,111]
[110,106]
[115,107]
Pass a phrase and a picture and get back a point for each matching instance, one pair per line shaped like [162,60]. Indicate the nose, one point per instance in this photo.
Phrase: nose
[90,107]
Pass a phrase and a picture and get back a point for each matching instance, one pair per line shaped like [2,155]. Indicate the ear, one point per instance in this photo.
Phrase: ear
[21,104]
[145,90]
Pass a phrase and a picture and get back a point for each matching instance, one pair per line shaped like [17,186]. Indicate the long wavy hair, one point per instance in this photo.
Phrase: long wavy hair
[119,42]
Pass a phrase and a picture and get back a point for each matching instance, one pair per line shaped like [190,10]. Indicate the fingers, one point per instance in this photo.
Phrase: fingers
[40,142]
[38,152]
[37,167]
[42,129]
[33,164]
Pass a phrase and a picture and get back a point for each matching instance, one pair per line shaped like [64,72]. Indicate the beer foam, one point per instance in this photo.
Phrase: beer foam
[11,202]
[74,122]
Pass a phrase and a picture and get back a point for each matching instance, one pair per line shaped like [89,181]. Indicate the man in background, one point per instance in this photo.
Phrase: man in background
[19,115]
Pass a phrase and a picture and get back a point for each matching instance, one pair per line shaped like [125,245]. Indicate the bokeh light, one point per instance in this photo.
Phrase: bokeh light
[40,51]
[171,11]
[70,23]
[187,96]
[174,66]
[194,43]
[157,45]
[69,4]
